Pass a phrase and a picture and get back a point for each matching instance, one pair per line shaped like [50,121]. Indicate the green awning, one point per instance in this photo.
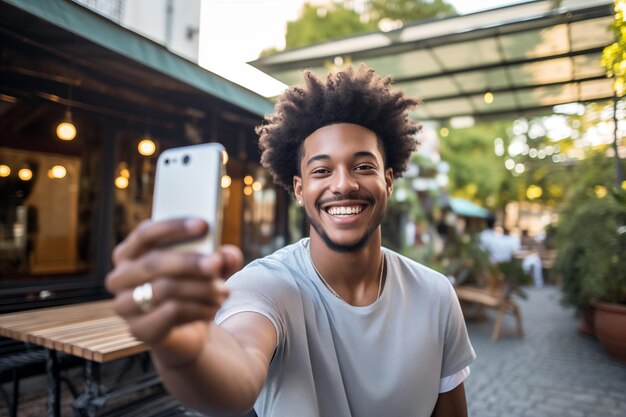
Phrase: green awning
[466,208]
[101,31]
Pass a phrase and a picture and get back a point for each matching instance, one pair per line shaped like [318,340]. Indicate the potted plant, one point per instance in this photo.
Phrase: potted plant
[591,246]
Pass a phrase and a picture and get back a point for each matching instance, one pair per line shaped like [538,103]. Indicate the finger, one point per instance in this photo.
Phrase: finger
[150,235]
[212,293]
[164,262]
[233,260]
[156,325]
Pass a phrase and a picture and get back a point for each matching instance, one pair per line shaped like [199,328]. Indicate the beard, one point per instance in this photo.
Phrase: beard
[354,247]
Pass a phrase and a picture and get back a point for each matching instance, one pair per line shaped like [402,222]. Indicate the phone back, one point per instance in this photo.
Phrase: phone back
[188,184]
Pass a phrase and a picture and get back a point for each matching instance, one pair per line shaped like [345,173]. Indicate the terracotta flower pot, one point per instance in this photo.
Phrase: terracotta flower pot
[610,326]
[586,325]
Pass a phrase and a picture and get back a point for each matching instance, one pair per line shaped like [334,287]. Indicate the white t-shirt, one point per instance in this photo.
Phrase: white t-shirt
[335,359]
[499,247]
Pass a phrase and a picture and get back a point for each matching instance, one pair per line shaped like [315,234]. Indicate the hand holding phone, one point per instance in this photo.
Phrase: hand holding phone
[188,184]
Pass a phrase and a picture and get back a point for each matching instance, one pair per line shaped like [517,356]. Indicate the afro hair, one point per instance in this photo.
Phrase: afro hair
[357,96]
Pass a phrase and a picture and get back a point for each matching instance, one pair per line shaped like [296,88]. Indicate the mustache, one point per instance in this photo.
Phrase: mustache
[345,199]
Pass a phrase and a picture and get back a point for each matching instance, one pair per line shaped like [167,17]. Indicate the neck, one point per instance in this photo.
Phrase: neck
[354,276]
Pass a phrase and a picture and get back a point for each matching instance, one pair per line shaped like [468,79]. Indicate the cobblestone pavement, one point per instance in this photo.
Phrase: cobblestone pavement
[554,371]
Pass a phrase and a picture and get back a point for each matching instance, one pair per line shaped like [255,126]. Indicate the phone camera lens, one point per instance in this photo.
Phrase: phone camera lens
[167,161]
[186,159]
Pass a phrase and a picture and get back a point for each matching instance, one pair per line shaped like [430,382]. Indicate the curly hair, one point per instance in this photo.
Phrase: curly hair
[357,96]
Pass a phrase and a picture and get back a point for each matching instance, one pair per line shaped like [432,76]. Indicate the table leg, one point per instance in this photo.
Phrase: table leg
[92,384]
[54,384]
[83,406]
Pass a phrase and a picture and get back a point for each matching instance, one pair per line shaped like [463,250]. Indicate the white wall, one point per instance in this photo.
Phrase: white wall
[172,23]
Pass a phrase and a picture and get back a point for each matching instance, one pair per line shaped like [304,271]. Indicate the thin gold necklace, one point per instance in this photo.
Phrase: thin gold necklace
[335,293]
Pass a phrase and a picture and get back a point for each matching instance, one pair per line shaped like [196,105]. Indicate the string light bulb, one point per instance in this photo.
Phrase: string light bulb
[146,147]
[121,182]
[57,172]
[488,97]
[226,181]
[66,129]
[25,174]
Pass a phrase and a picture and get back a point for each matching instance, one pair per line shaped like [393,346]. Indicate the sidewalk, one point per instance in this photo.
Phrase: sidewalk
[554,371]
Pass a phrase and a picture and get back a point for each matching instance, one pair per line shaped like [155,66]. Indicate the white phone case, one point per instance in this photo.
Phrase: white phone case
[188,184]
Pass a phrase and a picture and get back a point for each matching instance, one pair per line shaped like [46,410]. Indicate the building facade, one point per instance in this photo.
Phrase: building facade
[64,204]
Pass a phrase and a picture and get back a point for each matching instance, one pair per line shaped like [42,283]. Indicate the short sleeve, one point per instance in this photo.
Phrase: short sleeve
[458,352]
[256,288]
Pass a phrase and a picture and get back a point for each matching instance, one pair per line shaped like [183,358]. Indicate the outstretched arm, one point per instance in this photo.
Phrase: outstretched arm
[216,369]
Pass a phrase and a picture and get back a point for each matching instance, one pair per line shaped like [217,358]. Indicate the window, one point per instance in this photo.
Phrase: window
[47,197]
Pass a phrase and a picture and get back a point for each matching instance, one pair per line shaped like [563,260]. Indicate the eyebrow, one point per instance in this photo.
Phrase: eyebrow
[359,154]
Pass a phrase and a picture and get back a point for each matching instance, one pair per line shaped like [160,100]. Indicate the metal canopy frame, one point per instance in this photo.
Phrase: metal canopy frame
[530,56]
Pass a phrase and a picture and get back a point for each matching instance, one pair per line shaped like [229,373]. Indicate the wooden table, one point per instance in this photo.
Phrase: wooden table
[91,331]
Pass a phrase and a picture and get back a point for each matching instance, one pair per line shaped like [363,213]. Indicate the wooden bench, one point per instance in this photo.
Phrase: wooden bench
[493,295]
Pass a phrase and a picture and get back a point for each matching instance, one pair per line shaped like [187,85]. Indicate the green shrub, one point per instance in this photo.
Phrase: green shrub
[591,255]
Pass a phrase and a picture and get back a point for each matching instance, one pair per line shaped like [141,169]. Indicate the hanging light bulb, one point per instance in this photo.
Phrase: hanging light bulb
[5,170]
[146,147]
[488,97]
[25,174]
[121,182]
[226,181]
[66,129]
[57,171]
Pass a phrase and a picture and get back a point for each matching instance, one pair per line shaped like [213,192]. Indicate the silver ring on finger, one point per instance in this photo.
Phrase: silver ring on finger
[142,295]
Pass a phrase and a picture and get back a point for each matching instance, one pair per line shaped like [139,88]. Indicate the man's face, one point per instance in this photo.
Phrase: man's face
[344,185]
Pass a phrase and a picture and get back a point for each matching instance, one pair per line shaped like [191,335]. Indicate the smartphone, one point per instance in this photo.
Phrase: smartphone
[188,184]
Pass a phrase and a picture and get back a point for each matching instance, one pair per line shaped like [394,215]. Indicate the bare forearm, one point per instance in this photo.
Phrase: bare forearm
[224,379]
[451,403]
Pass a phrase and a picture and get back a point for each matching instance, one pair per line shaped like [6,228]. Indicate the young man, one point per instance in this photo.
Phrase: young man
[332,325]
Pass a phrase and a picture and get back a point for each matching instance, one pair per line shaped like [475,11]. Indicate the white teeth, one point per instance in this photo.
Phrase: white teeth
[343,211]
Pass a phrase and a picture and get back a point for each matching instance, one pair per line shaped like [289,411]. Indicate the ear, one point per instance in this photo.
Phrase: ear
[297,188]
[389,180]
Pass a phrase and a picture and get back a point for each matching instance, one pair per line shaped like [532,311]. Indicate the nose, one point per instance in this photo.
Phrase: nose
[343,182]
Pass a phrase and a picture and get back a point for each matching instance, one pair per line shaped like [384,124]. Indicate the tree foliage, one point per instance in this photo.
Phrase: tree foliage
[319,23]
[476,173]
[614,55]
[408,11]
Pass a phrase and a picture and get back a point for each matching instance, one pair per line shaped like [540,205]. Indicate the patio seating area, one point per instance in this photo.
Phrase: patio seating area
[552,371]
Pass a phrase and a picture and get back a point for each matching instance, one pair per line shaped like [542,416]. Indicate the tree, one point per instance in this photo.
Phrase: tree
[408,11]
[476,172]
[614,55]
[319,23]
[614,61]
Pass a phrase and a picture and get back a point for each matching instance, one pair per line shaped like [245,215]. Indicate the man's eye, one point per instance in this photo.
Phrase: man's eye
[364,167]
[320,171]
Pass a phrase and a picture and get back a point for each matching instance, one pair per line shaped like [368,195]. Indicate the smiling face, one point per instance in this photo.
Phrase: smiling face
[344,185]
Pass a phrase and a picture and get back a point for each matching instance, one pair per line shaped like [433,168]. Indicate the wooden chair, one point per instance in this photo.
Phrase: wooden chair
[494,294]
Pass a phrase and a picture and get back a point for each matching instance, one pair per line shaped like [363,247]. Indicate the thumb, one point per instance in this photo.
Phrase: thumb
[232,260]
